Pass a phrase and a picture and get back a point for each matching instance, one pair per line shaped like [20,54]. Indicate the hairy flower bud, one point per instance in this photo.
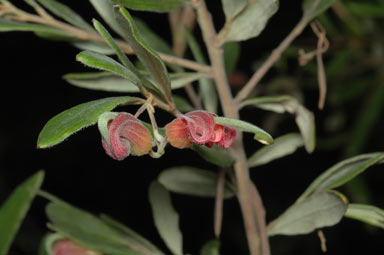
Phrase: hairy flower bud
[199,127]
[123,134]
[68,247]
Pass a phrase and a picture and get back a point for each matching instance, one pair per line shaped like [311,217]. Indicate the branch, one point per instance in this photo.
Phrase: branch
[271,60]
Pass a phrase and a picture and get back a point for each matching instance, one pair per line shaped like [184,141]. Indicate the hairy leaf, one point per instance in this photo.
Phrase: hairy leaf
[15,208]
[66,13]
[231,56]
[215,155]
[165,217]
[233,7]
[366,213]
[192,181]
[250,22]
[98,47]
[260,135]
[282,146]
[152,5]
[313,8]
[68,122]
[343,172]
[89,231]
[280,104]
[9,26]
[320,210]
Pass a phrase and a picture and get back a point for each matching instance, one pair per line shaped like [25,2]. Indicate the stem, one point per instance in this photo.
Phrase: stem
[230,110]
[271,60]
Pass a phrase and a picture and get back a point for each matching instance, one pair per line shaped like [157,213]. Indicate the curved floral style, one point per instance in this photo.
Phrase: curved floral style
[199,127]
[126,135]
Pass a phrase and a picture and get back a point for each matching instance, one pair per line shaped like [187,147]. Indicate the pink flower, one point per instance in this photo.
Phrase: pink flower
[199,127]
[68,247]
[126,135]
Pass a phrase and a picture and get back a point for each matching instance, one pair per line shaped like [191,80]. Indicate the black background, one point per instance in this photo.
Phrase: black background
[79,171]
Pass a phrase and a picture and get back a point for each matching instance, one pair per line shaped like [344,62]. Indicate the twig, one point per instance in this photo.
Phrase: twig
[230,110]
[219,200]
[271,60]
[323,240]
[260,219]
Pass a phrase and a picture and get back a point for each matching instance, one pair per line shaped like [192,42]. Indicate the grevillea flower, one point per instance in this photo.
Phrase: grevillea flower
[124,135]
[68,247]
[198,127]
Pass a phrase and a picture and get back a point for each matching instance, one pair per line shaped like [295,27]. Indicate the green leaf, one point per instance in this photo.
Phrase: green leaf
[165,217]
[233,7]
[250,22]
[90,232]
[282,146]
[366,213]
[192,181]
[320,210]
[10,26]
[152,5]
[215,155]
[231,56]
[47,243]
[106,63]
[343,172]
[66,14]
[68,122]
[106,81]
[260,135]
[313,8]
[211,248]
[151,38]
[281,104]
[98,47]
[15,208]
[182,104]
[207,89]
[366,9]
[148,57]
[109,12]
[130,234]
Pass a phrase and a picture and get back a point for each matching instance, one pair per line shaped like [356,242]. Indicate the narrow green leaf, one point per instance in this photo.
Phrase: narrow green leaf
[343,172]
[131,234]
[207,89]
[106,81]
[233,7]
[320,210]
[282,146]
[260,135]
[313,8]
[66,13]
[148,57]
[89,231]
[211,248]
[366,213]
[152,5]
[109,12]
[31,3]
[231,56]
[10,26]
[250,22]
[15,208]
[151,38]
[68,122]
[182,104]
[165,217]
[281,104]
[192,181]
[215,155]
[106,63]
[98,47]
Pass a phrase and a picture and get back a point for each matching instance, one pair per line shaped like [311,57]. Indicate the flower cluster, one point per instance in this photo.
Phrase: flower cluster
[199,127]
[123,134]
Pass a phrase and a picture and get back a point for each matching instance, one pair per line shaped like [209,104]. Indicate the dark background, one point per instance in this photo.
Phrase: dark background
[79,171]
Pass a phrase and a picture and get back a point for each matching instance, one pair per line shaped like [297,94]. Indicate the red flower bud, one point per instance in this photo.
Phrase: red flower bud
[198,127]
[68,247]
[126,135]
